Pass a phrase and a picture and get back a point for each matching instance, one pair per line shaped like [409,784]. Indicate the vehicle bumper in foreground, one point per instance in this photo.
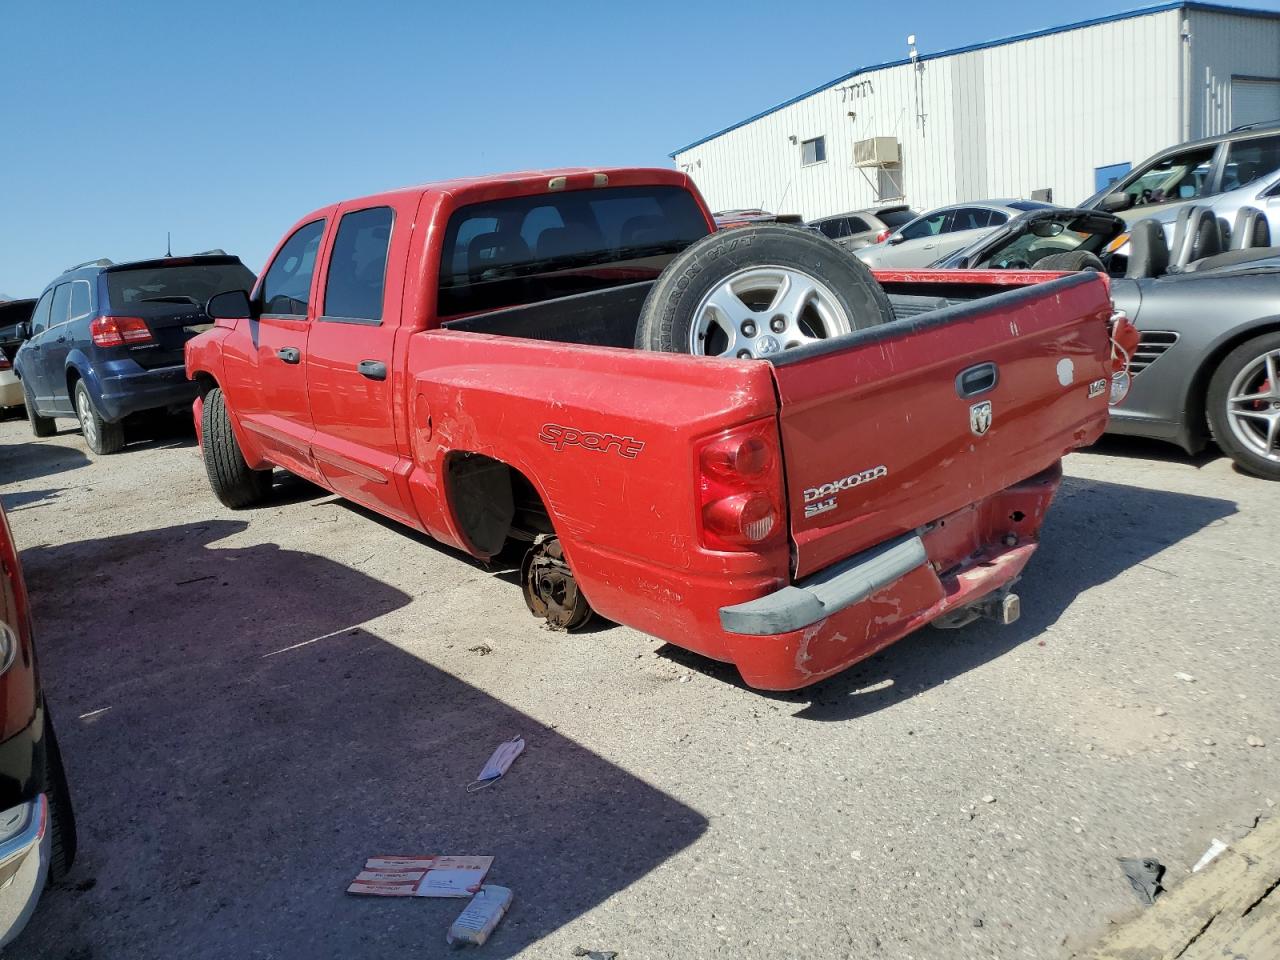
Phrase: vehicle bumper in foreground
[124,387]
[816,627]
[10,390]
[24,863]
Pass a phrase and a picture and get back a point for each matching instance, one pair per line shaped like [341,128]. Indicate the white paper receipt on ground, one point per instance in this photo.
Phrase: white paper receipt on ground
[421,876]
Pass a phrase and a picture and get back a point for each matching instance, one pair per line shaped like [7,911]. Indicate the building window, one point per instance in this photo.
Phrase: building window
[813,151]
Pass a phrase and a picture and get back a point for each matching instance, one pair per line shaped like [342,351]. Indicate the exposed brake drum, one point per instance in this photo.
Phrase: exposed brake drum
[550,590]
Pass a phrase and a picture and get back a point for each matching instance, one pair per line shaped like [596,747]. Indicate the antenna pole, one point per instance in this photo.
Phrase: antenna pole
[168,244]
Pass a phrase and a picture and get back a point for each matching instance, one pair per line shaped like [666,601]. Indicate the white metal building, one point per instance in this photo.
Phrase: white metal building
[1064,109]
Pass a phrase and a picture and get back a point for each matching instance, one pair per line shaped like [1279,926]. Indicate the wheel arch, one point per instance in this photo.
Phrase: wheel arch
[1195,400]
[490,501]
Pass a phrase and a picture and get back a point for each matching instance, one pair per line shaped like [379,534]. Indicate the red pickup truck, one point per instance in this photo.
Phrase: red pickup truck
[461,357]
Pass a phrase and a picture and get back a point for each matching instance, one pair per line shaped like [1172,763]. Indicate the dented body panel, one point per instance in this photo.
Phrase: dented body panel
[871,437]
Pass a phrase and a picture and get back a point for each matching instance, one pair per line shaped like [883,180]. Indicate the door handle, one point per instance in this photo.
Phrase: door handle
[372,369]
[289,354]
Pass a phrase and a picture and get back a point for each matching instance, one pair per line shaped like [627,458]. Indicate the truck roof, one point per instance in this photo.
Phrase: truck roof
[496,186]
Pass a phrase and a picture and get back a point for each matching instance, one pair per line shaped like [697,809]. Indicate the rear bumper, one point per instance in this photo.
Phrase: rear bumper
[807,631]
[10,390]
[24,863]
[123,387]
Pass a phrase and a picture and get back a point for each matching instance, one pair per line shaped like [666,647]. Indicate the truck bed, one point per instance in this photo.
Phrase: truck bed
[608,318]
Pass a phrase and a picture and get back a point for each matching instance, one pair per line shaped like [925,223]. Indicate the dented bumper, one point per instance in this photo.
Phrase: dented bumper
[819,626]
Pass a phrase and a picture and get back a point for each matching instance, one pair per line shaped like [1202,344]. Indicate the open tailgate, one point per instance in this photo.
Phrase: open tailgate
[895,426]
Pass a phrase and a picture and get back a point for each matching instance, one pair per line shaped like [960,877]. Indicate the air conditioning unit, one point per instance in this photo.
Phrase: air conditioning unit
[875,152]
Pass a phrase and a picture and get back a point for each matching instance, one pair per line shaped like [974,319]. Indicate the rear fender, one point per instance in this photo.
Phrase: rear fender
[604,435]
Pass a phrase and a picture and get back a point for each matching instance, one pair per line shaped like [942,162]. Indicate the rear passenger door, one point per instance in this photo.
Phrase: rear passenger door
[53,353]
[357,337]
[72,300]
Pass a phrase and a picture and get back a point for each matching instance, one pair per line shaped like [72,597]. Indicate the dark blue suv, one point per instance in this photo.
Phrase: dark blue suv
[106,341]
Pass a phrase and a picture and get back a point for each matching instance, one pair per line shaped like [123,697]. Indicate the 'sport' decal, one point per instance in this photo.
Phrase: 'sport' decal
[561,437]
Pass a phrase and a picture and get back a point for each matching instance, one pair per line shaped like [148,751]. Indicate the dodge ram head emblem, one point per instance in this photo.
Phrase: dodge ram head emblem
[980,418]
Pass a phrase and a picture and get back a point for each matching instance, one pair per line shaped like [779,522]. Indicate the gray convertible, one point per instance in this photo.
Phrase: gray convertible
[1208,309]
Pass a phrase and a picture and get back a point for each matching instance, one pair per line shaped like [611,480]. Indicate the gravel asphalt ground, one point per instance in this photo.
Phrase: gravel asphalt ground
[251,703]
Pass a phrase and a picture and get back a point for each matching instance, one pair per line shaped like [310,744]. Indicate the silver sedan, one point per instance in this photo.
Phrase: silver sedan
[933,235]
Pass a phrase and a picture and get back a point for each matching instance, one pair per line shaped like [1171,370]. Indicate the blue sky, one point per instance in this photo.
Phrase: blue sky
[224,123]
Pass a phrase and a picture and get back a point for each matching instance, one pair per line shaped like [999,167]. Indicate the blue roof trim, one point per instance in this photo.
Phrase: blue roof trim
[954,51]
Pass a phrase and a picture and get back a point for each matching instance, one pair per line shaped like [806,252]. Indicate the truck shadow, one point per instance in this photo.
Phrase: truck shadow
[32,460]
[1094,532]
[238,742]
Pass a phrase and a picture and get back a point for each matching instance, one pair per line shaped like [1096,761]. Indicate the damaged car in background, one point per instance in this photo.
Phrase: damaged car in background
[1207,364]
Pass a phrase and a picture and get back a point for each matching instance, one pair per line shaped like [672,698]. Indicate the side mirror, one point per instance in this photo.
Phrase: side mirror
[896,239]
[23,330]
[229,305]
[1115,202]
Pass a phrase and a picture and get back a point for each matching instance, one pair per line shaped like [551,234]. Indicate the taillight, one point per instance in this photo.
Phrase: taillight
[883,235]
[119,331]
[4,363]
[740,488]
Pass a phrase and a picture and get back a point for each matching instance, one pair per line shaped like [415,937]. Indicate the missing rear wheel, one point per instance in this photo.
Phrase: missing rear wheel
[550,590]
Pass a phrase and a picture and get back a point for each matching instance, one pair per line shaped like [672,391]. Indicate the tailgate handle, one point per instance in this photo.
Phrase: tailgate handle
[977,379]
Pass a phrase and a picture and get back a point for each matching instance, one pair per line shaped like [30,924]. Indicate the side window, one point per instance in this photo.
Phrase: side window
[61,304]
[969,218]
[1183,176]
[358,266]
[79,299]
[40,315]
[286,288]
[858,225]
[835,228]
[827,228]
[927,226]
[998,219]
[1250,160]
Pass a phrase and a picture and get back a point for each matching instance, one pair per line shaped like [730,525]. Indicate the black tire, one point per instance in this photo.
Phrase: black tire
[232,480]
[62,819]
[40,426]
[669,312]
[1071,260]
[101,437]
[1216,407]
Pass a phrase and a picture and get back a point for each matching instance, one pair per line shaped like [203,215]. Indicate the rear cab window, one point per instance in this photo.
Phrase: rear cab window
[179,283]
[358,266]
[523,250]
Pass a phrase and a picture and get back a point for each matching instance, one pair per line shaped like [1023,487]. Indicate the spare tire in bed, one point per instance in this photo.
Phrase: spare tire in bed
[752,292]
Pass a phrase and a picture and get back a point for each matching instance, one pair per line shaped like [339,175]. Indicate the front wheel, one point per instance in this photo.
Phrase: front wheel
[40,426]
[233,481]
[1244,405]
[101,437]
[753,292]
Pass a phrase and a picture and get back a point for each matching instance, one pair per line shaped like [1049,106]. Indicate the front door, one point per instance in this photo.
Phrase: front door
[268,372]
[53,353]
[30,358]
[351,356]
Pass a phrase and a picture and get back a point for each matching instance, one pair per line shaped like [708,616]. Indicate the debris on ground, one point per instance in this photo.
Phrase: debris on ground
[481,916]
[1215,848]
[430,876]
[988,799]
[498,764]
[1144,876]
[595,954]
[481,648]
[1161,711]
[1254,741]
[1185,677]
